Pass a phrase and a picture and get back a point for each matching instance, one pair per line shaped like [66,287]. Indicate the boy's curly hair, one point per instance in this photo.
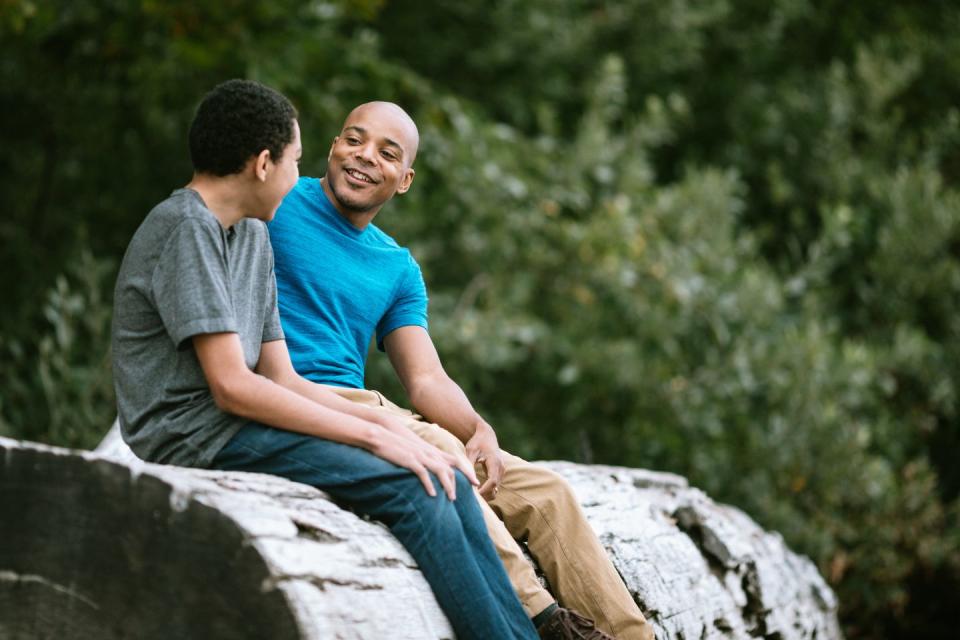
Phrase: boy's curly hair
[236,121]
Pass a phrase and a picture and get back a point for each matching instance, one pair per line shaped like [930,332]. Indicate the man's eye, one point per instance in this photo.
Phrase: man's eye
[389,155]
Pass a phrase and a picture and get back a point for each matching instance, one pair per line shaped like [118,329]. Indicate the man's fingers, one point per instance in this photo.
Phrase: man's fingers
[488,490]
[494,468]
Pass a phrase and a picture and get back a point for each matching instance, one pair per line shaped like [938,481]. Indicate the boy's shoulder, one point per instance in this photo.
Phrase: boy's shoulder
[183,205]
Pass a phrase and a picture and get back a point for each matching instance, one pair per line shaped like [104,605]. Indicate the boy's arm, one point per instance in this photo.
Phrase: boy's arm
[275,364]
[241,392]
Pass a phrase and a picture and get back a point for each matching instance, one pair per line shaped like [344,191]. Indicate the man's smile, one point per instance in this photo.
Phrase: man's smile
[359,176]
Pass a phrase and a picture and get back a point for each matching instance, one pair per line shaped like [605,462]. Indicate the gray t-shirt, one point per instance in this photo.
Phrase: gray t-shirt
[183,275]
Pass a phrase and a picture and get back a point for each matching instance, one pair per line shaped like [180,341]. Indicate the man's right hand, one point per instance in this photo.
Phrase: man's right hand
[422,459]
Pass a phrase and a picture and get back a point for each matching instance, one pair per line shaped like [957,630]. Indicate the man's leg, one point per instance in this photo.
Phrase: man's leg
[447,539]
[537,505]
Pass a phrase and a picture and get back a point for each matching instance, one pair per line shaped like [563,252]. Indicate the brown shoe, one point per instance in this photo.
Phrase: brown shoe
[567,624]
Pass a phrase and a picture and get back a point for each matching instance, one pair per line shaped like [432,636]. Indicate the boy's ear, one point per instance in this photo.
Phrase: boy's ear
[260,163]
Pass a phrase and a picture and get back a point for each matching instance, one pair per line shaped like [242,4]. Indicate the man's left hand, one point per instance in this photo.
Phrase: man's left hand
[484,448]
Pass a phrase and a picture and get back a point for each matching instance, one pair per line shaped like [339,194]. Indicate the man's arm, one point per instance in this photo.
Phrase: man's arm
[441,400]
[241,392]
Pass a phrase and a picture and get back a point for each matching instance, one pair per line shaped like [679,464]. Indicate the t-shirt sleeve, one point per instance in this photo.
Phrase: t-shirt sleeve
[190,283]
[409,307]
[271,319]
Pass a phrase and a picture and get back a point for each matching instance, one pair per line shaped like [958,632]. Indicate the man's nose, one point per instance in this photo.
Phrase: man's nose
[366,153]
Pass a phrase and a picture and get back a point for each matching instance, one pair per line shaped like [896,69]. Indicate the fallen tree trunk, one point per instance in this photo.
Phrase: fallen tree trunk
[102,545]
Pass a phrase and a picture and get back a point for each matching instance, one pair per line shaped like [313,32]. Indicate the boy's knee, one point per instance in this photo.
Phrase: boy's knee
[464,487]
[418,496]
[438,506]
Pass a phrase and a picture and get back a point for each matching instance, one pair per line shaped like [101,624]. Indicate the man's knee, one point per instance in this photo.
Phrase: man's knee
[438,437]
[548,490]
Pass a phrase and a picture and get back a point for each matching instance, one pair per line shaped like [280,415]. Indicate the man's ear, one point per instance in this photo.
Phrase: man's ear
[406,181]
[260,164]
[332,145]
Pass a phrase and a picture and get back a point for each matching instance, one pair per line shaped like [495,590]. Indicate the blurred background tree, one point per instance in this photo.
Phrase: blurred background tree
[718,238]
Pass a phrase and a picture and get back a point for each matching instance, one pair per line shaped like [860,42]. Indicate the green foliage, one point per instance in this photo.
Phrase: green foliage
[56,380]
[718,238]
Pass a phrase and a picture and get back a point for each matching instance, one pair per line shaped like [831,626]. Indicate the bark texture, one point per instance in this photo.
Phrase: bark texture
[95,545]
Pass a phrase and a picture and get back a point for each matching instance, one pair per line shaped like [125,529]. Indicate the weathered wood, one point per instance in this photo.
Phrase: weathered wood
[97,544]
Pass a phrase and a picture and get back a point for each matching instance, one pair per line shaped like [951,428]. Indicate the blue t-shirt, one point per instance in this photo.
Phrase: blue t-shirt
[336,285]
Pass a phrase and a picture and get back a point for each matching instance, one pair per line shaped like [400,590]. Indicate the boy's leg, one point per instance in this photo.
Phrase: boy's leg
[537,505]
[447,539]
[534,597]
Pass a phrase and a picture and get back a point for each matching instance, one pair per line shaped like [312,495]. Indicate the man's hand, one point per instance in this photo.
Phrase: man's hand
[421,458]
[483,447]
[440,400]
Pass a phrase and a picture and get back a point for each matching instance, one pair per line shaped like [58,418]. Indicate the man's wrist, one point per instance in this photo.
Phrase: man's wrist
[483,428]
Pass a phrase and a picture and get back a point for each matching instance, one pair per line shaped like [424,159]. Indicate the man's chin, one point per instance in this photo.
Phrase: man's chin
[353,205]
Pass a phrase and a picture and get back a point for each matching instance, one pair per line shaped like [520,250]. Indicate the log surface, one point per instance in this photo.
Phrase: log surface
[95,545]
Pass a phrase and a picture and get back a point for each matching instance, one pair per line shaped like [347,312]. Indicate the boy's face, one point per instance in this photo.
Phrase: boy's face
[281,176]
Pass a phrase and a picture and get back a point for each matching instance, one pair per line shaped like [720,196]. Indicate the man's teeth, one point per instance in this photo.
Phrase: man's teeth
[359,176]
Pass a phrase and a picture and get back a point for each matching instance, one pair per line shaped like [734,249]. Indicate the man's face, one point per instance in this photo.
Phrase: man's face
[370,160]
[281,177]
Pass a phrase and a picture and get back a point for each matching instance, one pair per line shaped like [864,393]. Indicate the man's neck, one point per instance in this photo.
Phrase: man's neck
[358,219]
[224,197]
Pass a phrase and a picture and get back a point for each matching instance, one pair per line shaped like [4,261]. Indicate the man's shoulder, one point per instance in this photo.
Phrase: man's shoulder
[302,203]
[306,185]
[304,193]
[381,237]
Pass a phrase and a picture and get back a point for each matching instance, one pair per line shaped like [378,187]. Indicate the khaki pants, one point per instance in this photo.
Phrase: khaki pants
[537,505]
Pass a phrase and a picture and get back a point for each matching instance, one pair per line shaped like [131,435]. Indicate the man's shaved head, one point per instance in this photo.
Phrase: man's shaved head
[371,160]
[381,109]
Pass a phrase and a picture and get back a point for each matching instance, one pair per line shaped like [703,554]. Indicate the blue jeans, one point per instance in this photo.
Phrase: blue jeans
[448,539]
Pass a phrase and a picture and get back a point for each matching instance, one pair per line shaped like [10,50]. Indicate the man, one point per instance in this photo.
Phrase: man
[340,281]
[203,376]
